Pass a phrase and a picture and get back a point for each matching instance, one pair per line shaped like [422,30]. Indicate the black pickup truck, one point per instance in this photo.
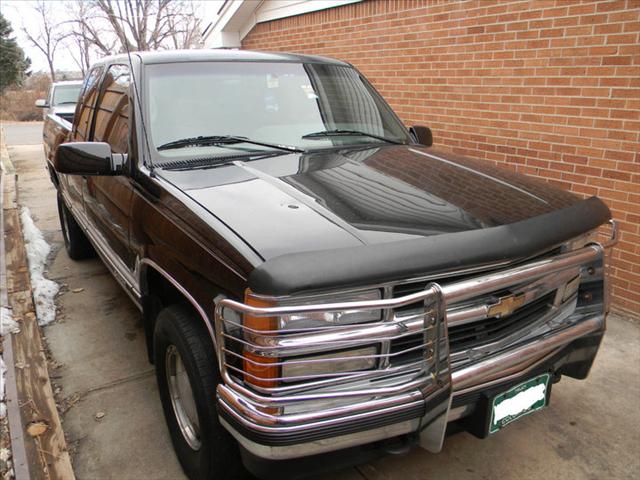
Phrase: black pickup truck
[318,284]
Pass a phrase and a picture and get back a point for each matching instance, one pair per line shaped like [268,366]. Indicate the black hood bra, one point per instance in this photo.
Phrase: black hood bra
[375,264]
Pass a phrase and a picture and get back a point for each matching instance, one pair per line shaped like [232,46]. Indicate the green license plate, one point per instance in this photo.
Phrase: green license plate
[519,401]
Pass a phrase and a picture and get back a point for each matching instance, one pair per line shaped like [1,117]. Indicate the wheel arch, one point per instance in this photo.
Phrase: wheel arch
[159,289]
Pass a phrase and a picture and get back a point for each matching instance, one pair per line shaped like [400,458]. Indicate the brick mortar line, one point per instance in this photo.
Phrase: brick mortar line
[432,43]
[544,152]
[419,20]
[514,123]
[519,94]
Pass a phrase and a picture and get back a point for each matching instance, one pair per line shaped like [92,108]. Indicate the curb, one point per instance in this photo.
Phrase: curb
[8,182]
[18,451]
[43,454]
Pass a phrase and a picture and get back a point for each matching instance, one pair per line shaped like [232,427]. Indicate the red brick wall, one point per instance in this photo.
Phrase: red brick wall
[549,88]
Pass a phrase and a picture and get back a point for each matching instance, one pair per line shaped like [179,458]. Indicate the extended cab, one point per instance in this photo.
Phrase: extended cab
[315,279]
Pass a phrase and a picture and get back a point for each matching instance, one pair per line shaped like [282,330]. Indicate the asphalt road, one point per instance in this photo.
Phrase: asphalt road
[114,424]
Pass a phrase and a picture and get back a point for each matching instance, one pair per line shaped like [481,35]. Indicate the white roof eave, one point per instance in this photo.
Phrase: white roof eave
[238,17]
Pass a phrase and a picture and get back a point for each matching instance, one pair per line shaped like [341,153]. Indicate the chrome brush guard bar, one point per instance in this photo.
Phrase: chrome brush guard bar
[355,407]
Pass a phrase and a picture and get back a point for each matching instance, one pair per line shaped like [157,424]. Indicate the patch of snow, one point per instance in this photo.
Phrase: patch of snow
[44,290]
[5,454]
[7,323]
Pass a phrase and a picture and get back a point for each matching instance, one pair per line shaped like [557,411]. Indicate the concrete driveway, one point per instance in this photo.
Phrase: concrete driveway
[114,424]
[23,133]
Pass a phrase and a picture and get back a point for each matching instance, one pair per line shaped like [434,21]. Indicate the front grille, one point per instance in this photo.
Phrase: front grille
[492,329]
[403,289]
[405,350]
[475,334]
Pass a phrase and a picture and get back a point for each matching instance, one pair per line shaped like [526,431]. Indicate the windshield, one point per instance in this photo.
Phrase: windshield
[275,103]
[66,94]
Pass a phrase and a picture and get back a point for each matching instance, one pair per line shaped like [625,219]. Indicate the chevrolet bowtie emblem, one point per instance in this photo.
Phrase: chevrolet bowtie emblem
[506,305]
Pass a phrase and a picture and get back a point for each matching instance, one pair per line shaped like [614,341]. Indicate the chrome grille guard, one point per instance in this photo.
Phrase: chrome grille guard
[322,402]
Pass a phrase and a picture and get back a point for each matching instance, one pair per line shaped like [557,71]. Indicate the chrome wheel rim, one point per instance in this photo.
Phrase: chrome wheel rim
[182,399]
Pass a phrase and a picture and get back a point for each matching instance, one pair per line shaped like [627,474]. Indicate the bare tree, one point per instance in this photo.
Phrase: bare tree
[79,49]
[186,29]
[85,39]
[137,24]
[49,34]
[93,32]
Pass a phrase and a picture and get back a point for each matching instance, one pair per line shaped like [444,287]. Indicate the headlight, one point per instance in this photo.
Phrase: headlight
[339,362]
[323,319]
[264,371]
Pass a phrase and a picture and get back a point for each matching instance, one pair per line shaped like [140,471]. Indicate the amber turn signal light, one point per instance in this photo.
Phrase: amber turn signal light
[258,369]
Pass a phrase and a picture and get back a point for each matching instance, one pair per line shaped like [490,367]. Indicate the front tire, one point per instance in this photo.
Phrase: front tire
[187,375]
[76,242]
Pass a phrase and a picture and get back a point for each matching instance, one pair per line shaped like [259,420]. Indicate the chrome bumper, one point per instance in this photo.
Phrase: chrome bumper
[356,409]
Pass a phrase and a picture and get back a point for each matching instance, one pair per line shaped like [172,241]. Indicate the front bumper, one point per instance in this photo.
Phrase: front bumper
[468,412]
[426,400]
[406,413]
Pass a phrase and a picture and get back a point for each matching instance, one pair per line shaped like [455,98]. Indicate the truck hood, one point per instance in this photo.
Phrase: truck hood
[334,199]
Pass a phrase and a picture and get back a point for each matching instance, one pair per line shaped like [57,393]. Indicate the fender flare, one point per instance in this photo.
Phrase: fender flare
[147,263]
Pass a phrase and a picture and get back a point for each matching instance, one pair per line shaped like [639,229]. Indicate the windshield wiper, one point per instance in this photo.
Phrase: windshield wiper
[212,162]
[340,132]
[212,140]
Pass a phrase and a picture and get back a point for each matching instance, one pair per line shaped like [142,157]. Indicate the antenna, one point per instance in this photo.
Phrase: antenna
[137,93]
